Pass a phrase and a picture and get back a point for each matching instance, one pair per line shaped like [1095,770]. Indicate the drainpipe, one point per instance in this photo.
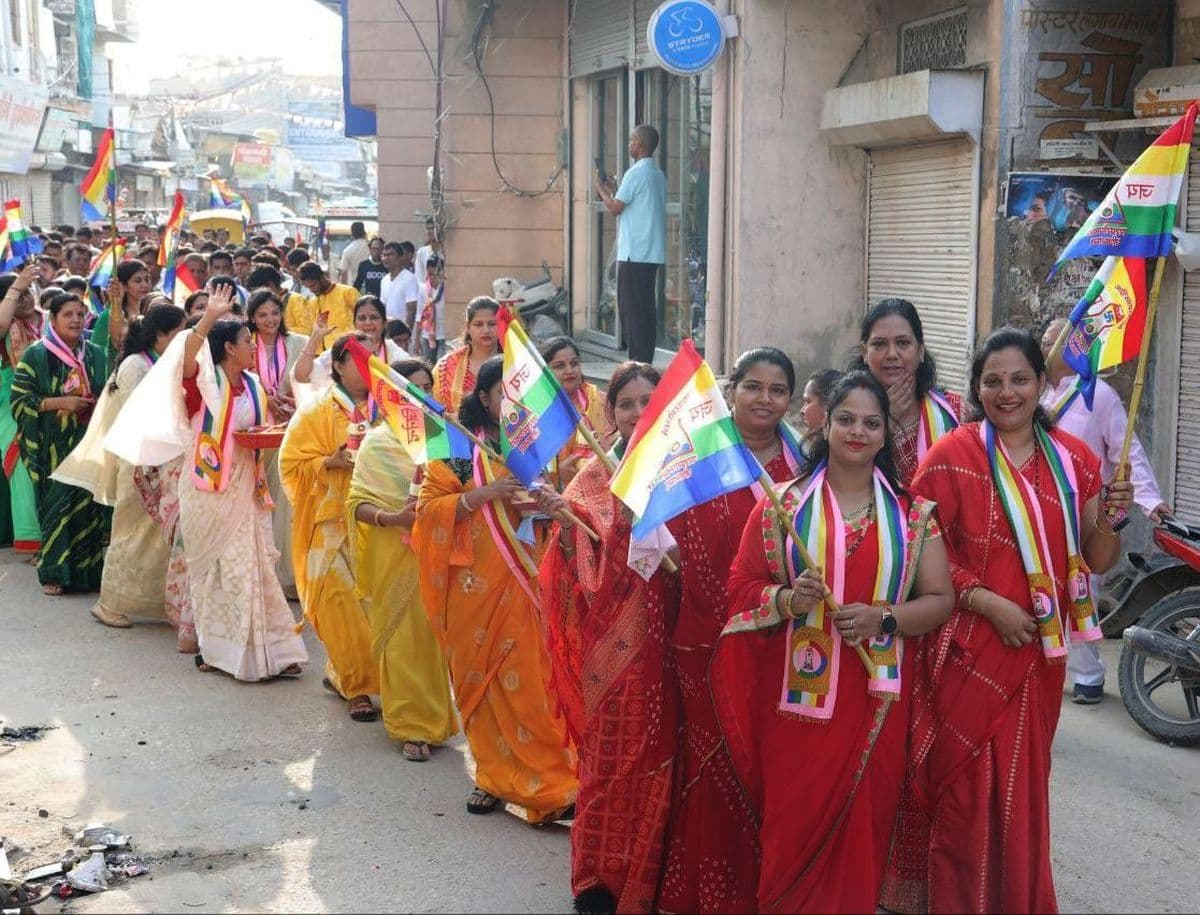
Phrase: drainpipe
[714,300]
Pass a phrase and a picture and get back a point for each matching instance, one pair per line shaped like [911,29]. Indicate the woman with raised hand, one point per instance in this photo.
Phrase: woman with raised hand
[479,586]
[276,351]
[1024,518]
[133,585]
[893,349]
[370,321]
[561,355]
[712,849]
[315,464]
[454,375]
[414,685]
[200,392]
[825,734]
[607,632]
[53,395]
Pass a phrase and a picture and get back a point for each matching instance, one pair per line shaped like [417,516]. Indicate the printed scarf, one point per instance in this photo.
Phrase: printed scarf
[1063,404]
[272,366]
[77,384]
[213,454]
[1024,513]
[937,418]
[515,553]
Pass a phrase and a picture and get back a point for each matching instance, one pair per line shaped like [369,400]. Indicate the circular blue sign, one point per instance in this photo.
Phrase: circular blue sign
[687,36]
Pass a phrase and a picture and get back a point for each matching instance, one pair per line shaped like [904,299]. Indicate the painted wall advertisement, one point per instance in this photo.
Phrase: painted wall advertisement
[252,163]
[22,106]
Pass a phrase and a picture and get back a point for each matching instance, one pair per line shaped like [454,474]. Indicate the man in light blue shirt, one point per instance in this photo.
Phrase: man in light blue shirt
[640,204]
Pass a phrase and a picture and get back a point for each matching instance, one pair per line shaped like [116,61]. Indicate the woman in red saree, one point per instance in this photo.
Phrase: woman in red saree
[1020,506]
[893,350]
[607,631]
[712,851]
[823,757]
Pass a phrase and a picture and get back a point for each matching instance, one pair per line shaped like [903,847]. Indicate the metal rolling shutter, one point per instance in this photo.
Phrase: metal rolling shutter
[599,36]
[920,243]
[1187,440]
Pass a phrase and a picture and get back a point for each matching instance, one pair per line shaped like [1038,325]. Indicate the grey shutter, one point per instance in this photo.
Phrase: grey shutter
[642,11]
[1187,441]
[599,36]
[920,244]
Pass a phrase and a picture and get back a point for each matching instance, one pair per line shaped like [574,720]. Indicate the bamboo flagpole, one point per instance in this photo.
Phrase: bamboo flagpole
[112,203]
[1139,383]
[790,527]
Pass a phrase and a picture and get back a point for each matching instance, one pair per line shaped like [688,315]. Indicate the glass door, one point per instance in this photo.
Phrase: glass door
[609,148]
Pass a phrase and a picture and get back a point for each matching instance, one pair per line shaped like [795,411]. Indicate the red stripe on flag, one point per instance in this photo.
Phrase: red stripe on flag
[681,370]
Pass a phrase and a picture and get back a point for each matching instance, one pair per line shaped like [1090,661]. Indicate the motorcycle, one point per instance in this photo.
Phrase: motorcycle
[541,304]
[1159,669]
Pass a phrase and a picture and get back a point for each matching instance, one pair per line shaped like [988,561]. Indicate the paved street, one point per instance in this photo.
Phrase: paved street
[276,801]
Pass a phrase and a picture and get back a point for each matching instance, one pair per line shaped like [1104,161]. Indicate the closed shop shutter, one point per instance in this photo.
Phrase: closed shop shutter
[38,206]
[642,11]
[599,36]
[921,243]
[1187,442]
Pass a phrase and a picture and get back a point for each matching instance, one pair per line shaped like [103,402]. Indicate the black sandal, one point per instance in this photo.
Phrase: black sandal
[201,666]
[481,802]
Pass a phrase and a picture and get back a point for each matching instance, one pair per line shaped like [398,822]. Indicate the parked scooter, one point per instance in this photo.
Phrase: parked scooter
[1159,670]
[541,304]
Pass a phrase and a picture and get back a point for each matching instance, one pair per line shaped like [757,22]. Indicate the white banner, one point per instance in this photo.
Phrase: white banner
[22,106]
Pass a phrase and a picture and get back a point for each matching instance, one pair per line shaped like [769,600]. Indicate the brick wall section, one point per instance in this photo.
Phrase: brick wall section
[491,232]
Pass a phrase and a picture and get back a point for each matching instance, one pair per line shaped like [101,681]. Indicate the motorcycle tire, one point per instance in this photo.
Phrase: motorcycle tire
[1159,723]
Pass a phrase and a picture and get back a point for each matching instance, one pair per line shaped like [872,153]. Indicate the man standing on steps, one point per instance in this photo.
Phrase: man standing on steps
[640,204]
[1102,429]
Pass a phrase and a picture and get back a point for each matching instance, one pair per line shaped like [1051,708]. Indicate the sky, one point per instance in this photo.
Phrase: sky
[303,33]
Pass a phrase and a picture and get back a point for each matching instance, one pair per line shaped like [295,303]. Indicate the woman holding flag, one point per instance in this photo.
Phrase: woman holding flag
[822,755]
[54,391]
[315,463]
[607,632]
[893,350]
[561,355]
[414,686]
[276,351]
[454,376]
[479,586]
[1025,518]
[711,821]
[129,284]
[20,327]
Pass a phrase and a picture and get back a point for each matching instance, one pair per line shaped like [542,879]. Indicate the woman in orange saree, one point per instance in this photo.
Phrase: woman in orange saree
[712,848]
[479,586]
[822,758]
[607,634]
[1020,507]
[454,375]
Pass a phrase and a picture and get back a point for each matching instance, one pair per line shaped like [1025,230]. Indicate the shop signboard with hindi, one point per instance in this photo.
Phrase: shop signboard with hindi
[686,36]
[252,163]
[22,106]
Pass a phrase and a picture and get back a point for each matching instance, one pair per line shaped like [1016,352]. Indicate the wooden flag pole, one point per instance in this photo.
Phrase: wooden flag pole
[1139,380]
[789,525]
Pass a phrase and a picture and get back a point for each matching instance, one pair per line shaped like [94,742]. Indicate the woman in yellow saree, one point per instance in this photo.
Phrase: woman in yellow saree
[315,462]
[485,614]
[414,683]
[454,375]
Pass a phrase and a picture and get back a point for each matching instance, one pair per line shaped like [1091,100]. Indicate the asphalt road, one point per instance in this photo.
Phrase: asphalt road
[268,798]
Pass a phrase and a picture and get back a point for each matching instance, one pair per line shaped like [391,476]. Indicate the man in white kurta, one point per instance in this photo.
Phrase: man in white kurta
[1103,430]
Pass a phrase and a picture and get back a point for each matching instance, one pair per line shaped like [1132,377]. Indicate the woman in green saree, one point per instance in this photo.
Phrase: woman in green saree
[53,393]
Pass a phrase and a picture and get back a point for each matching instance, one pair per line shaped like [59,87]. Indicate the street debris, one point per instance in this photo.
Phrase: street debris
[98,861]
[25,733]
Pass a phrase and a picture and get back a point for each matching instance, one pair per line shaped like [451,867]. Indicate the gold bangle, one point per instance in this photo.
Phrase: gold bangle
[968,599]
[375,517]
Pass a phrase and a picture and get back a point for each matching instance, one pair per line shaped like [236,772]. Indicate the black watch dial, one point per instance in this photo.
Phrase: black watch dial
[888,624]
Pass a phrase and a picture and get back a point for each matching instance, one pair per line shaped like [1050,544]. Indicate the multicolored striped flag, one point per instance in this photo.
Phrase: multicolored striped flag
[170,241]
[1108,323]
[1137,216]
[99,187]
[101,273]
[185,284]
[413,416]
[22,245]
[223,197]
[537,418]
[685,449]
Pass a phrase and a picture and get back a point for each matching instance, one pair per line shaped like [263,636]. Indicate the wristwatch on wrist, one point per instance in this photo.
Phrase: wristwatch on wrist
[888,624]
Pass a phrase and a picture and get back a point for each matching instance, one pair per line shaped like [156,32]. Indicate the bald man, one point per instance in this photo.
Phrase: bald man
[1103,430]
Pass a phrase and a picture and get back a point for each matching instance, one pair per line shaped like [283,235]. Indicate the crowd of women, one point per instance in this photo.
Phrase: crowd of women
[741,731]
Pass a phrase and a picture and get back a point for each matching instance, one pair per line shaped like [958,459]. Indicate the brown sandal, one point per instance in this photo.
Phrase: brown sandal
[415,750]
[481,802]
[53,589]
[361,709]
[201,666]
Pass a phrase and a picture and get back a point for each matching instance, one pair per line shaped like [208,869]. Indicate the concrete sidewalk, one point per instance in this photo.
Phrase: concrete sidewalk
[268,798]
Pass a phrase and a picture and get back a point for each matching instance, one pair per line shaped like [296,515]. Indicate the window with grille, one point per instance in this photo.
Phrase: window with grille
[936,43]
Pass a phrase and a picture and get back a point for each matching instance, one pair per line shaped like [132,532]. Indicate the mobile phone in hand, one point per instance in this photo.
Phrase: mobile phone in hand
[600,170]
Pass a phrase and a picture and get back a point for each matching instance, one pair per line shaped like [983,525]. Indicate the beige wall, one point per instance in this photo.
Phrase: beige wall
[491,231]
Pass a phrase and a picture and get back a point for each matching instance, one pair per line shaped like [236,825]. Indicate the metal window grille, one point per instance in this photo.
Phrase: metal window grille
[936,43]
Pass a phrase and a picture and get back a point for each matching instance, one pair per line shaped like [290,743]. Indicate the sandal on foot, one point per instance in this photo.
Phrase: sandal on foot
[361,709]
[291,672]
[201,666]
[53,589]
[565,815]
[111,617]
[415,751]
[480,801]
